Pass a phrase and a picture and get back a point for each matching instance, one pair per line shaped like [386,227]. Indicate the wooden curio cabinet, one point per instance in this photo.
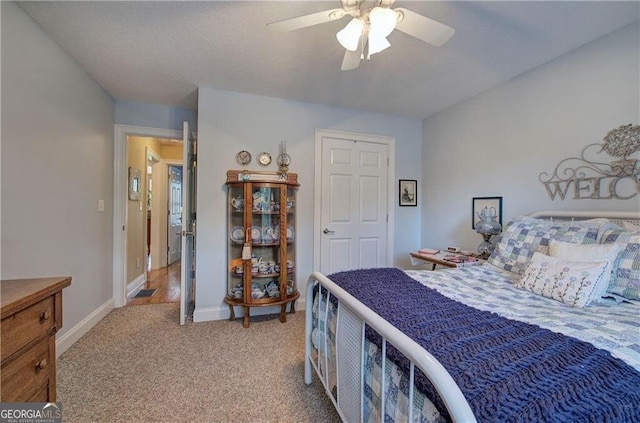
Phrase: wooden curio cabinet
[261,234]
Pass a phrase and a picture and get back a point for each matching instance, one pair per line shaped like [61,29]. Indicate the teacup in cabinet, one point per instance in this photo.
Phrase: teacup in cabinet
[261,247]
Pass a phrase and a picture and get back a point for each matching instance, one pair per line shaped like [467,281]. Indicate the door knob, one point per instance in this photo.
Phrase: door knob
[186,233]
[328,232]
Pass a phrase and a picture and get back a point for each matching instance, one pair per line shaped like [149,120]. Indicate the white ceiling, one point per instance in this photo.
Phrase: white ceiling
[160,52]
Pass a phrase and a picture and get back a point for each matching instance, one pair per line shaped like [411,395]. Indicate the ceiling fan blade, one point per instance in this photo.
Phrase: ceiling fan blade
[304,21]
[351,60]
[423,28]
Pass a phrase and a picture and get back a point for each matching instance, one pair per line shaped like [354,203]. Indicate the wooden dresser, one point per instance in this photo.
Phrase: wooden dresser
[31,315]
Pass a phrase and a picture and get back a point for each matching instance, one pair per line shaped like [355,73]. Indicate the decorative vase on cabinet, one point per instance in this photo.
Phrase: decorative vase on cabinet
[261,210]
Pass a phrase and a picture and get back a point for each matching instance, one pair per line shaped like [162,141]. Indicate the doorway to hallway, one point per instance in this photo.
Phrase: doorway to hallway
[166,285]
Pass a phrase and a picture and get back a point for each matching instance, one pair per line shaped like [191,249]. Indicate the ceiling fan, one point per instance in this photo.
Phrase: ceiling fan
[372,21]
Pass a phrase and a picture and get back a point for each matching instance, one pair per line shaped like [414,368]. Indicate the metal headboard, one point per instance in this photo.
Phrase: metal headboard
[615,217]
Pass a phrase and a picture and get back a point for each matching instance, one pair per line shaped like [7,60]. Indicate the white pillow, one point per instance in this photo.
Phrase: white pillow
[628,226]
[570,282]
[588,253]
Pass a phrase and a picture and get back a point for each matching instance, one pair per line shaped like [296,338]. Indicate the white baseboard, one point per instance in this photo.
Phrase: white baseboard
[222,313]
[135,286]
[210,313]
[69,338]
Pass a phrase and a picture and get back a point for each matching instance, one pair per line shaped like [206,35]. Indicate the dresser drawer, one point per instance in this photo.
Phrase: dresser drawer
[28,375]
[26,326]
[42,395]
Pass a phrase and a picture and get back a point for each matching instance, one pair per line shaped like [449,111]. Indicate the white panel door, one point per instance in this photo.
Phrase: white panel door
[175,214]
[354,179]
[188,219]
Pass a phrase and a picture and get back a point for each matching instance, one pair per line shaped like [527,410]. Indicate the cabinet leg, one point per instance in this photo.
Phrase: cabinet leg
[283,313]
[232,314]
[245,320]
[293,307]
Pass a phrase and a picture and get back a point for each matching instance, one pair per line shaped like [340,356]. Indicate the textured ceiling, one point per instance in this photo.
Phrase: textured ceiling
[160,52]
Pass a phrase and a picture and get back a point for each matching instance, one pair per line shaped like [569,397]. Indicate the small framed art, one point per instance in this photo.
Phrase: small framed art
[408,192]
[493,203]
[134,184]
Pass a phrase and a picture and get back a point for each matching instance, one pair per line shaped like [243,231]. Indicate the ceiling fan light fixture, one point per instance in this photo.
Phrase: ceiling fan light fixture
[349,36]
[377,43]
[382,20]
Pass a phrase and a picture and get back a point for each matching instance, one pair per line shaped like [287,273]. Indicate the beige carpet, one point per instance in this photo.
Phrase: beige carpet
[139,365]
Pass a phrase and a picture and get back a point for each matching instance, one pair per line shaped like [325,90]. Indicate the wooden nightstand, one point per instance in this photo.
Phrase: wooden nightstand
[444,258]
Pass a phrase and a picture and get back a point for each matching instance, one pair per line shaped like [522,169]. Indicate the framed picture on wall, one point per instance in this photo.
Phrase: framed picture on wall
[408,192]
[478,203]
[134,184]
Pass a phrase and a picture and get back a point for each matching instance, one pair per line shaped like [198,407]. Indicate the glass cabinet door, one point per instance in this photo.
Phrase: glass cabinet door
[290,209]
[265,239]
[236,234]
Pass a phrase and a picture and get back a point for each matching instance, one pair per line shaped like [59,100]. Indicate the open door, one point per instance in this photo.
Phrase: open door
[187,271]
[175,209]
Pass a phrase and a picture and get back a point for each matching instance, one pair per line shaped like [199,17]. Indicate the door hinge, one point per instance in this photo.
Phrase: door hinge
[123,227]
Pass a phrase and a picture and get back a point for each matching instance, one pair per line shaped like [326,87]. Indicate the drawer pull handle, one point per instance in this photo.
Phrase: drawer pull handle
[45,316]
[41,364]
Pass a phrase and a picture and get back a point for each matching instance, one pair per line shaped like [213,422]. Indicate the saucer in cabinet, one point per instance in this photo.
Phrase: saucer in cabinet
[237,233]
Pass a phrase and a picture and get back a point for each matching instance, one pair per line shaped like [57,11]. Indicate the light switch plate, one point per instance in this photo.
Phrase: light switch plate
[100,205]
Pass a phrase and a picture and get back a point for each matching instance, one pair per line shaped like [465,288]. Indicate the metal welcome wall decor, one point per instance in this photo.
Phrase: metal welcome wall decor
[586,178]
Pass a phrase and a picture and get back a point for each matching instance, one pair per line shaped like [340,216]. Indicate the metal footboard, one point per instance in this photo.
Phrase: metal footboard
[351,318]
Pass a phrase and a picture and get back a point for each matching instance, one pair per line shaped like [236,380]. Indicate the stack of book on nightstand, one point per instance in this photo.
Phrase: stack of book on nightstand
[428,251]
[461,260]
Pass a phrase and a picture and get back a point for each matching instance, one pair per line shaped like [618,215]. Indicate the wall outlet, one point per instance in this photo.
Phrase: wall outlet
[137,262]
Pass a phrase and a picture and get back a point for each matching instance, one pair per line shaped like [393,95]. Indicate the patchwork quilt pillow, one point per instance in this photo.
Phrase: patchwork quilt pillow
[625,278]
[525,235]
[588,252]
[575,283]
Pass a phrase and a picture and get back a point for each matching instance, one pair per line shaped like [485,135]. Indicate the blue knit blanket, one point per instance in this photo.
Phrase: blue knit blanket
[508,371]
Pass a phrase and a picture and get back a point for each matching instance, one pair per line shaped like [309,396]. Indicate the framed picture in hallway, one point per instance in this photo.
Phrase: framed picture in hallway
[408,192]
[134,184]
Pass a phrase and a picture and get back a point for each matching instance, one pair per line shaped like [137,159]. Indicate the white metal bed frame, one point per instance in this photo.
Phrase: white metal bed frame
[614,217]
[351,318]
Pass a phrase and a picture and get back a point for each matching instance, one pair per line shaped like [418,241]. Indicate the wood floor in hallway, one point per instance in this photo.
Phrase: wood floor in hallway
[166,282]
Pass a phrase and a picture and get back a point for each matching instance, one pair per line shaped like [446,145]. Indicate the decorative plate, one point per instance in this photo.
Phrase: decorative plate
[264,159]
[237,233]
[256,235]
[290,232]
[243,158]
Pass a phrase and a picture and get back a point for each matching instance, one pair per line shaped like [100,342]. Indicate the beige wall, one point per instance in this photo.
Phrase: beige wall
[171,152]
